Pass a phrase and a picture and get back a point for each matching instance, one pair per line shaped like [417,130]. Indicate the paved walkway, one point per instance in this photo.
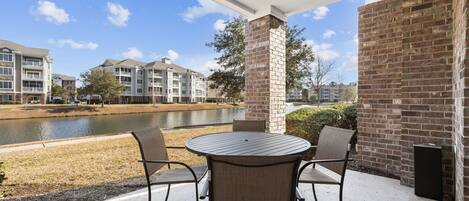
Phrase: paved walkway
[358,187]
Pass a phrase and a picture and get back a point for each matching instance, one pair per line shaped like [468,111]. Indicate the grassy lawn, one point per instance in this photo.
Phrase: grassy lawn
[93,170]
[38,111]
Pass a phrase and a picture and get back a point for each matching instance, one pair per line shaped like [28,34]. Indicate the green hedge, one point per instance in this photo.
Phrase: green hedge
[2,178]
[308,122]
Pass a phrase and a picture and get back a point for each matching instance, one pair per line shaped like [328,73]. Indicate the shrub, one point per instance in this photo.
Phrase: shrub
[2,178]
[316,121]
[307,123]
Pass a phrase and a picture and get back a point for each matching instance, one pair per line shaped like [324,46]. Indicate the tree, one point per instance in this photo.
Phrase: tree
[229,43]
[102,83]
[317,76]
[58,91]
[349,94]
[305,95]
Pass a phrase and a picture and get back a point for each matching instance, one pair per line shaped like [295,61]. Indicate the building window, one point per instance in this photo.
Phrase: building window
[6,85]
[116,70]
[126,70]
[6,98]
[6,57]
[139,81]
[32,61]
[6,71]
[126,79]
[139,90]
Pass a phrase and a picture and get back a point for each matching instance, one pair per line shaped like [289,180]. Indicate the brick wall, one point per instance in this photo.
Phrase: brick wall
[265,72]
[405,84]
[379,87]
[460,95]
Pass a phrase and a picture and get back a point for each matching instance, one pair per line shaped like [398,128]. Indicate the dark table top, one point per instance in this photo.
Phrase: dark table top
[247,144]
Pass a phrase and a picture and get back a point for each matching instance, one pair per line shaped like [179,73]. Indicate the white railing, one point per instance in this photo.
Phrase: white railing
[33,89]
[32,63]
[34,77]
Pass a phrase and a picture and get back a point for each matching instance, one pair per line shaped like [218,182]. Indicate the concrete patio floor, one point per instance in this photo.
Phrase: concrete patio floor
[358,187]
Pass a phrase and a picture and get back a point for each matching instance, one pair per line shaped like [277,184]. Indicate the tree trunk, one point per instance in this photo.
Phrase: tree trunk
[318,97]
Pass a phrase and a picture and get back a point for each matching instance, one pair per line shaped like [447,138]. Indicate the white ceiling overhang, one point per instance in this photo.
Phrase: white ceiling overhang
[253,9]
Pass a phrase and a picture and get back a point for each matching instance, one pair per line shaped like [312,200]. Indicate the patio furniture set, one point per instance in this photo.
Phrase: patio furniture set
[248,164]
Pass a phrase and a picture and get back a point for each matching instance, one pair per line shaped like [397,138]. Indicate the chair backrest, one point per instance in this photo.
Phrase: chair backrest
[235,178]
[152,147]
[249,125]
[334,143]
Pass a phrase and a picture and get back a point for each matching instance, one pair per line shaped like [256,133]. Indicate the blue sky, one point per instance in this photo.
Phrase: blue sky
[81,34]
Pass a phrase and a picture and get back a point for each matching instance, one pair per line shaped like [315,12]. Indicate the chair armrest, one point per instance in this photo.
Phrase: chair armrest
[299,196]
[172,162]
[314,146]
[322,161]
[175,147]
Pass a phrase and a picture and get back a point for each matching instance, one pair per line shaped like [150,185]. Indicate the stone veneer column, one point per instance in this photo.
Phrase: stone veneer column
[265,72]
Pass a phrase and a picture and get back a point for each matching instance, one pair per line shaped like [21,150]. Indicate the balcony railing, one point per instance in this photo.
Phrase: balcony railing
[32,63]
[32,77]
[33,89]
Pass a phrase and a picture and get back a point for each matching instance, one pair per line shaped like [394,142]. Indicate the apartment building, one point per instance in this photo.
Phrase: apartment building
[158,81]
[68,83]
[25,73]
[331,92]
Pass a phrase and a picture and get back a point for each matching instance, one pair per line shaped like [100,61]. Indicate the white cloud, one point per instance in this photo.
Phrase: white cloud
[205,7]
[219,25]
[355,38]
[371,1]
[328,34]
[212,65]
[351,62]
[118,15]
[51,12]
[133,53]
[74,44]
[320,13]
[173,55]
[323,50]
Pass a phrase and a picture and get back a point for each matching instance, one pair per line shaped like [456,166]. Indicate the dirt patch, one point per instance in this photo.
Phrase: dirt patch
[92,170]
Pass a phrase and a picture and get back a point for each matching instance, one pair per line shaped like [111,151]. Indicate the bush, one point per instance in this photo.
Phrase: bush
[2,178]
[307,123]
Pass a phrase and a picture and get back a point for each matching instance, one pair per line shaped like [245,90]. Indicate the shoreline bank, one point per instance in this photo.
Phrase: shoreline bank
[13,112]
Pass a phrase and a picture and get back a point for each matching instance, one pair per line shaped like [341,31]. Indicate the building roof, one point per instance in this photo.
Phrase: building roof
[62,77]
[154,64]
[176,68]
[27,51]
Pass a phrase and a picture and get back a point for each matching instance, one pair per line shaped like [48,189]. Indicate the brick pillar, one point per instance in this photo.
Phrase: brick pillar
[265,72]
[461,97]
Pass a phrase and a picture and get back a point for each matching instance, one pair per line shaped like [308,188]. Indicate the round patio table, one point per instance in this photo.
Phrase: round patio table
[247,144]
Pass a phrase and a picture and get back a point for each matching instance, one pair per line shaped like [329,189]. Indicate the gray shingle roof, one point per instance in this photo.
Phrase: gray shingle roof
[27,51]
[62,77]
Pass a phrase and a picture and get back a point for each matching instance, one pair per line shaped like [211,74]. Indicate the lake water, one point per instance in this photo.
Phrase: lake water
[28,130]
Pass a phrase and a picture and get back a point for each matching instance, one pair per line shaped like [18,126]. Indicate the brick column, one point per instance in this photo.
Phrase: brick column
[265,72]
[461,97]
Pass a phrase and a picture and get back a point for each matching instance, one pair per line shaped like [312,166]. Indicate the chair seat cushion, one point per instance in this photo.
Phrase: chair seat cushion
[179,175]
[315,176]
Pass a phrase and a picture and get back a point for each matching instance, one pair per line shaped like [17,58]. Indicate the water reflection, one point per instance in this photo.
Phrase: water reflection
[27,130]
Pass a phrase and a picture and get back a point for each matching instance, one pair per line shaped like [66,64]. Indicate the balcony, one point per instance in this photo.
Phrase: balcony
[33,89]
[32,65]
[32,77]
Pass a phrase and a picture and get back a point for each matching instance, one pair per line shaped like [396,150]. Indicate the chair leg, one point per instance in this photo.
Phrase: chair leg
[149,192]
[196,191]
[167,192]
[314,193]
[341,192]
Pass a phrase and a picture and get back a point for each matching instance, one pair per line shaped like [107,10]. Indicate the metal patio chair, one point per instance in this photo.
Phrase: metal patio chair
[249,125]
[332,153]
[248,178]
[154,157]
